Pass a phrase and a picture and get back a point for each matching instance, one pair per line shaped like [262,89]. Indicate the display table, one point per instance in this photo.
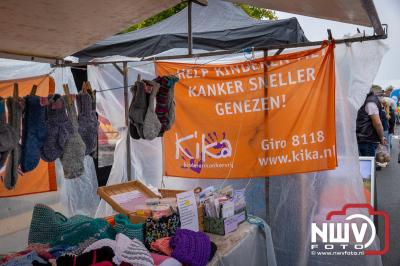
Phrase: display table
[248,246]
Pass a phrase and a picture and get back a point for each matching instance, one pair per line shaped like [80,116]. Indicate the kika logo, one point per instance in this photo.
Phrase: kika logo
[355,232]
[206,145]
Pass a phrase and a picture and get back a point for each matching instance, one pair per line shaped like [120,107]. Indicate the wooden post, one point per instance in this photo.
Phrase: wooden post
[128,138]
[190,33]
[266,183]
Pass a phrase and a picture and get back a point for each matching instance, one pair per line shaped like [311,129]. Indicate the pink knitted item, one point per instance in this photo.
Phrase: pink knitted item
[162,245]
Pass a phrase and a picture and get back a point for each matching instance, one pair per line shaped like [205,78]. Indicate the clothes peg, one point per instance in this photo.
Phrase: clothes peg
[33,90]
[330,38]
[66,92]
[84,87]
[16,91]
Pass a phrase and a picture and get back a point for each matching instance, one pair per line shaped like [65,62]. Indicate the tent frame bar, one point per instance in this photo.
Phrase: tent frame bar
[279,47]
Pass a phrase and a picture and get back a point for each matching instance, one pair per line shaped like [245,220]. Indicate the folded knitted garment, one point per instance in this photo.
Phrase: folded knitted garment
[34,133]
[26,259]
[127,250]
[164,227]
[162,245]
[93,257]
[73,156]
[161,260]
[59,130]
[191,248]
[50,227]
[124,226]
[88,124]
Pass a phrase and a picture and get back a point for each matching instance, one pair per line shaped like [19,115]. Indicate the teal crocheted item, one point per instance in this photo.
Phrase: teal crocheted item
[124,226]
[50,227]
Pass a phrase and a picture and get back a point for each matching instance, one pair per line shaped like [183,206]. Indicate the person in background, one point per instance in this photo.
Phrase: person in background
[369,129]
[392,124]
[385,116]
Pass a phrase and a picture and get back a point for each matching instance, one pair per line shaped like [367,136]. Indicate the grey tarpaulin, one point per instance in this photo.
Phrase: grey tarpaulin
[218,26]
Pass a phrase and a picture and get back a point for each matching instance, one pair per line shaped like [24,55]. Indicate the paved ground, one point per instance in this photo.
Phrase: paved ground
[388,192]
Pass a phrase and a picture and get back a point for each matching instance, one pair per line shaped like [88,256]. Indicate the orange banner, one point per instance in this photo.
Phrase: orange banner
[256,118]
[43,177]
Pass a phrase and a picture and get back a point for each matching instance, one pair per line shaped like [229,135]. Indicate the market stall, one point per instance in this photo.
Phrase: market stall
[182,226]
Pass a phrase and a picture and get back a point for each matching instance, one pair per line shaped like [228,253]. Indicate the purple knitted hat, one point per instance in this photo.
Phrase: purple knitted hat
[191,248]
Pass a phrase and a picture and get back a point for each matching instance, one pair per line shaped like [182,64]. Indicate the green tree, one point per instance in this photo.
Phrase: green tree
[254,12]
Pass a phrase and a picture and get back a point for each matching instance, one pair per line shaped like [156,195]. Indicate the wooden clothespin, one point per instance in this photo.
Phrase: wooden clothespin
[33,90]
[66,92]
[89,87]
[330,38]
[16,91]
[84,87]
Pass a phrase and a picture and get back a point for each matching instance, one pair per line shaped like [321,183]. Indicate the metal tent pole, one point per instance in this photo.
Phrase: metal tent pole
[128,138]
[190,33]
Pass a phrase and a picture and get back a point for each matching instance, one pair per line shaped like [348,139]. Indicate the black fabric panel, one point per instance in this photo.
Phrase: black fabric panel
[279,32]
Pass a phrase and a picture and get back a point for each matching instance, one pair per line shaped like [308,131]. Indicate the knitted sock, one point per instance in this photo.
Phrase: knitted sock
[87,120]
[15,115]
[34,133]
[59,129]
[74,149]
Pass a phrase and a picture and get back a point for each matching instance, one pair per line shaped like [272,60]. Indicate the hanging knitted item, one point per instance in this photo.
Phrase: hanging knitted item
[151,126]
[137,110]
[59,130]
[87,120]
[15,108]
[8,135]
[34,133]
[165,108]
[73,157]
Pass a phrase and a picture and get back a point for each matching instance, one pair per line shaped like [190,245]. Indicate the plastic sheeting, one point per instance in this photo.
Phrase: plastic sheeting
[78,195]
[15,69]
[295,201]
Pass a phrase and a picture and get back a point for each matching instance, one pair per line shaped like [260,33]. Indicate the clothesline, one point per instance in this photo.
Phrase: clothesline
[246,50]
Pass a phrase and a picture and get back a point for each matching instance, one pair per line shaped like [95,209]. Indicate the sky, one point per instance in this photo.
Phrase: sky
[389,13]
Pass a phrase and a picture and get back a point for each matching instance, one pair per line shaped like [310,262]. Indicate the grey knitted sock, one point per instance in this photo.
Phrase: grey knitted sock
[151,126]
[74,149]
[87,120]
[15,116]
[59,129]
[138,107]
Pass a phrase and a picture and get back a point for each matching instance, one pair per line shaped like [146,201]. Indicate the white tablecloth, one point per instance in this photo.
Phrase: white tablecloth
[248,246]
